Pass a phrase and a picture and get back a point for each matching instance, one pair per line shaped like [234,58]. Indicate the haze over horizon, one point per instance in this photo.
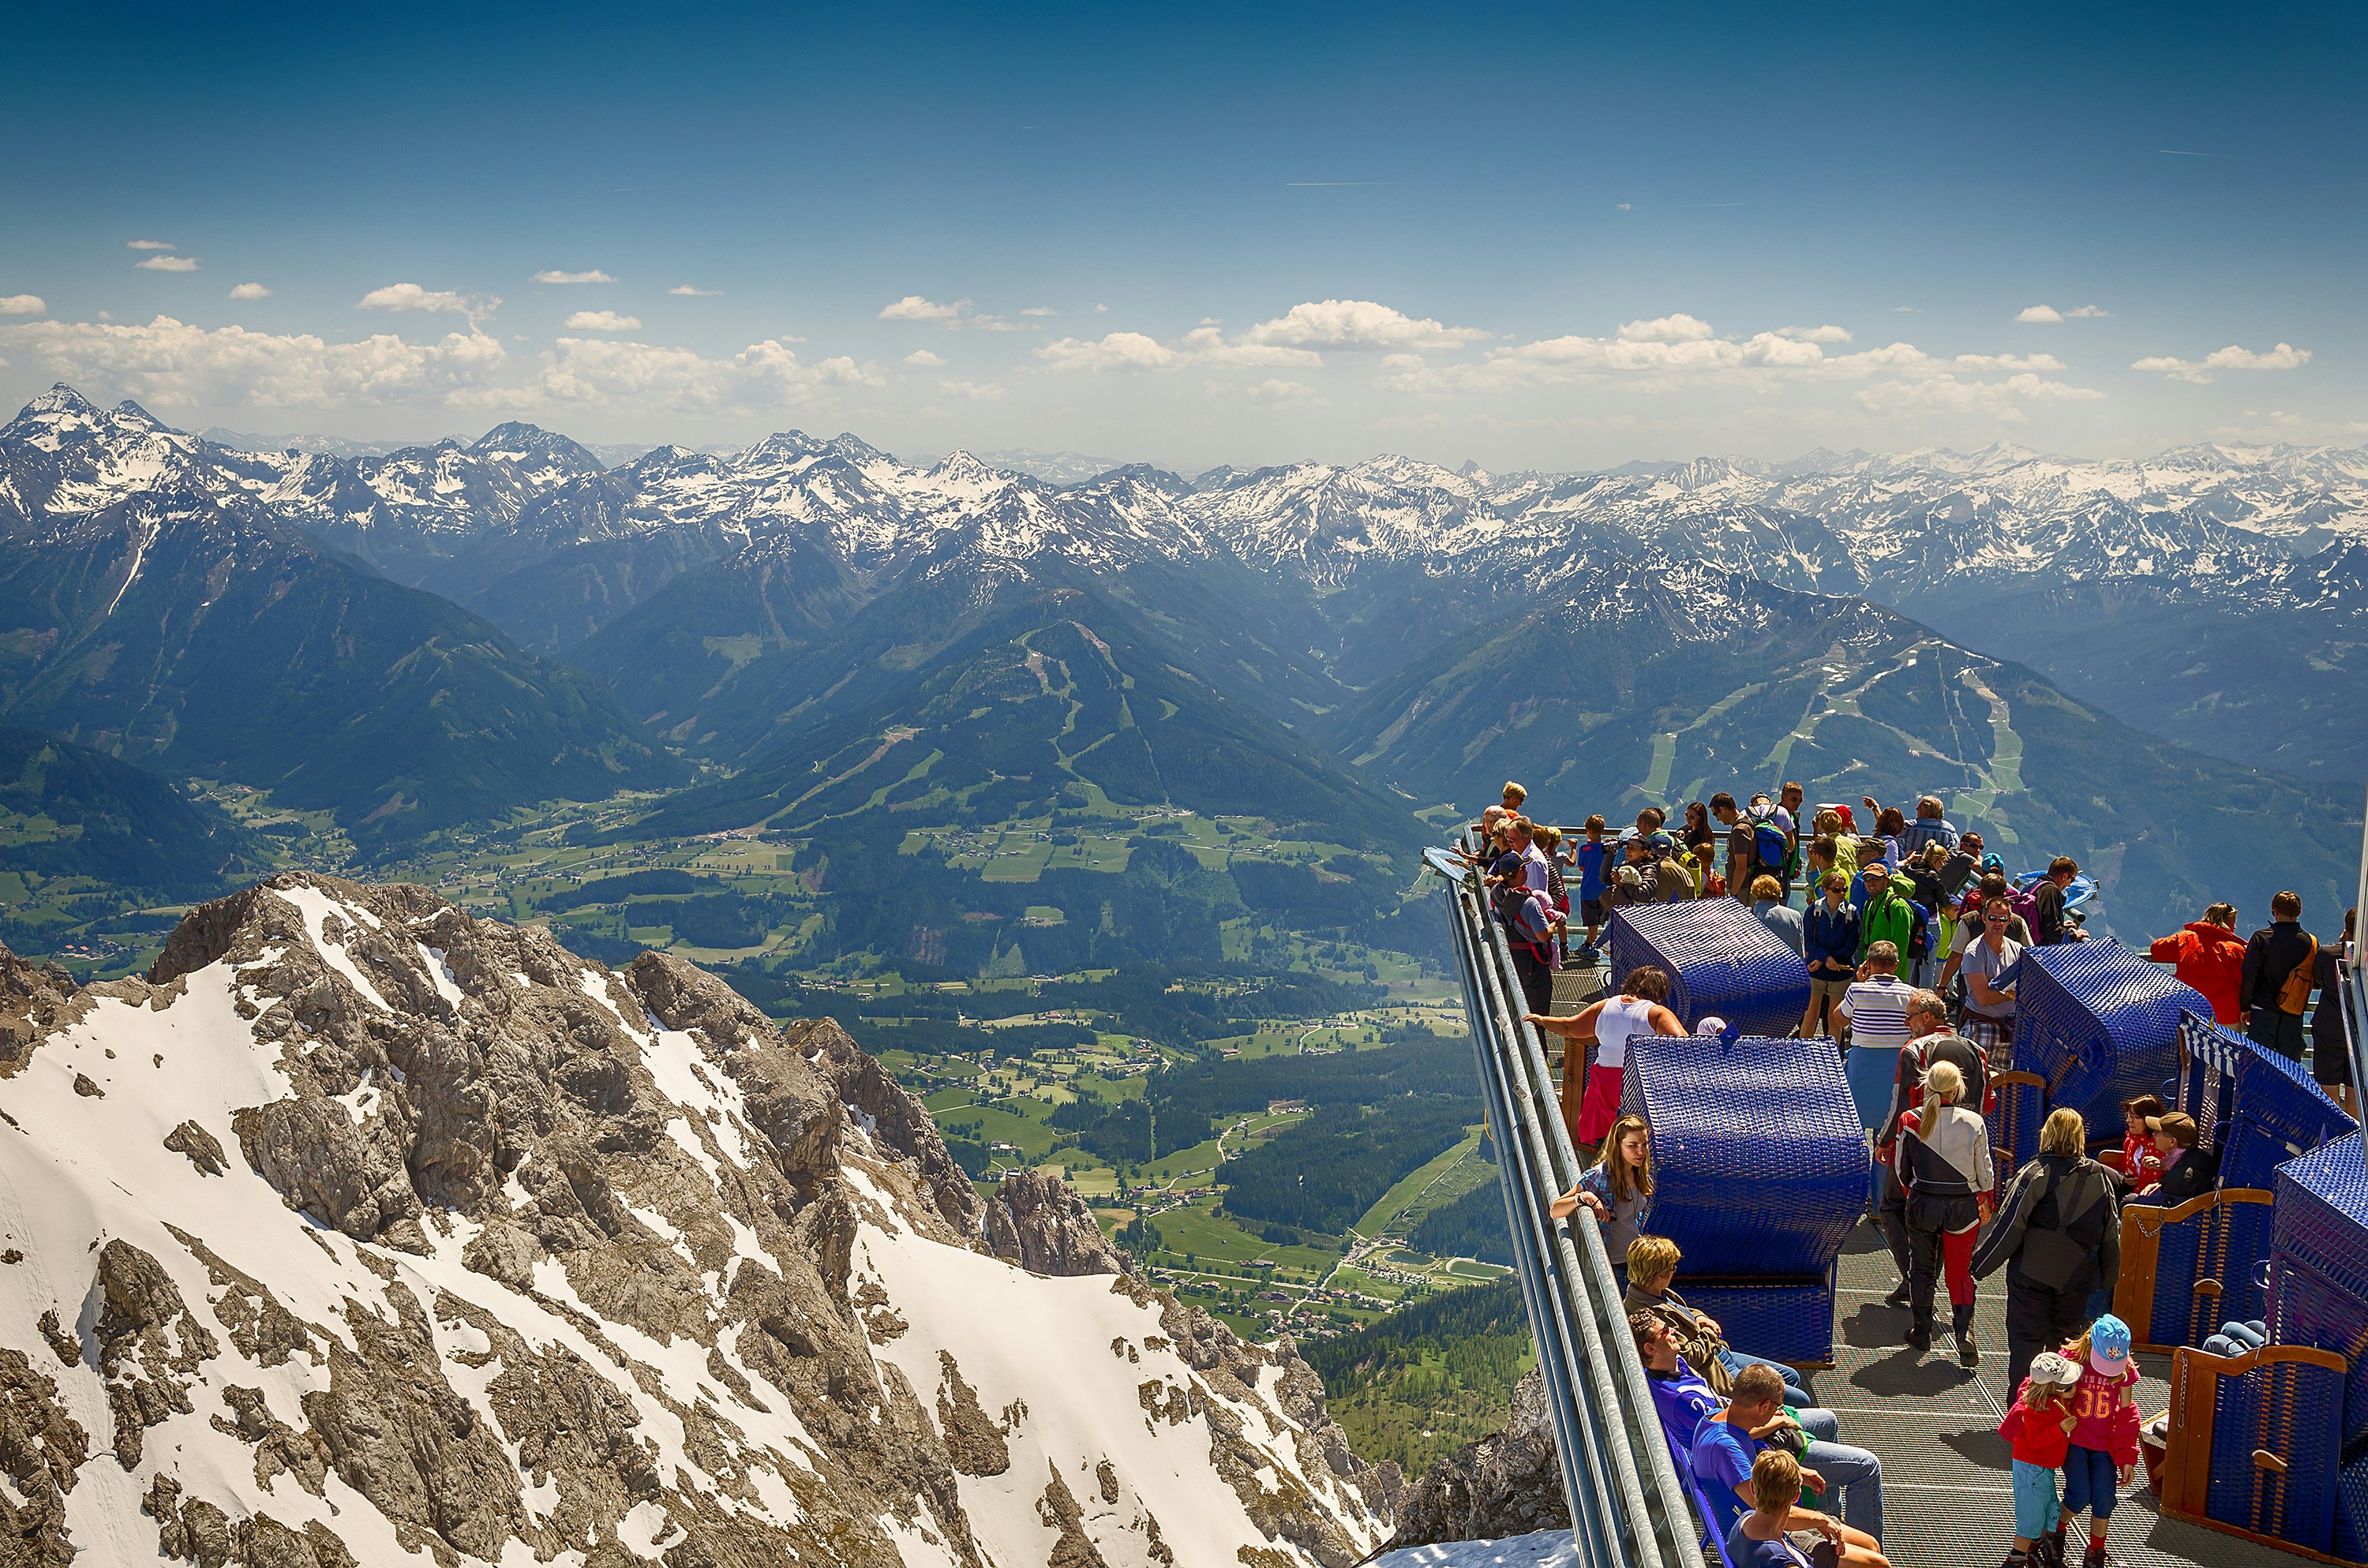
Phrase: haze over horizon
[1540,243]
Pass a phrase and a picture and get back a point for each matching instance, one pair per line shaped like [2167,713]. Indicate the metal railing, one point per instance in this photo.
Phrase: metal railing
[1627,1507]
[2354,974]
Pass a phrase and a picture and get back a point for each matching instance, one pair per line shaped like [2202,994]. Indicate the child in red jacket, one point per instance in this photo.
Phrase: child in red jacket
[2040,1427]
[2103,1451]
[2141,1160]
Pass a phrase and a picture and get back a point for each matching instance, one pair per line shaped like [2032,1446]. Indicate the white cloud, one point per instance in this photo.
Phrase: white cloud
[1666,354]
[1403,361]
[1947,392]
[150,244]
[1138,351]
[553,275]
[167,362]
[982,393]
[924,358]
[2008,362]
[602,321]
[1627,206]
[1357,325]
[1277,391]
[432,302]
[160,262]
[1113,351]
[250,291]
[912,307]
[2048,315]
[1680,328]
[2284,356]
[1039,311]
[1101,309]
[956,316]
[687,293]
[762,376]
[1208,345]
[22,305]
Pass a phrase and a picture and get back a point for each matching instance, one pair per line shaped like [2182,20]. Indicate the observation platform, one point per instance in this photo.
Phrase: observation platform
[1947,1478]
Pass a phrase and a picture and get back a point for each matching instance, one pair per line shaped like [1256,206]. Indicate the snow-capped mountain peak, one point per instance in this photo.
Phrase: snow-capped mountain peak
[362,1231]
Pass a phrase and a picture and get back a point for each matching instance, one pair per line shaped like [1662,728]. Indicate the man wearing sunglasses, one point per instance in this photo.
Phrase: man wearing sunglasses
[1989,963]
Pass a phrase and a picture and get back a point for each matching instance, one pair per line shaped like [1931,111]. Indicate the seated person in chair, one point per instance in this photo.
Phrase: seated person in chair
[2188,1171]
[1652,1268]
[1728,1440]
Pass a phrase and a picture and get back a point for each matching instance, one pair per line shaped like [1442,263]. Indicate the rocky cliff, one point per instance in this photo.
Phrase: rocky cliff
[363,1232]
[1509,1484]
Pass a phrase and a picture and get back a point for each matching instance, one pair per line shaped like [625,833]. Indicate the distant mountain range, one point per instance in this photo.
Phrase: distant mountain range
[1312,642]
[156,607]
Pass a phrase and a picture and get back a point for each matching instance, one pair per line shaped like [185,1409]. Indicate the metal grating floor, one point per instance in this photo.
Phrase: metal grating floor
[1946,1482]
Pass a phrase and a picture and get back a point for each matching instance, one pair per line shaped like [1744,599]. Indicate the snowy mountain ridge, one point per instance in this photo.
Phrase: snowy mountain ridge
[364,1231]
[2205,519]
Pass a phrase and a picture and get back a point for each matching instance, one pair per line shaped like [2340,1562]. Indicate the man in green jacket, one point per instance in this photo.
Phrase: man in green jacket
[1889,915]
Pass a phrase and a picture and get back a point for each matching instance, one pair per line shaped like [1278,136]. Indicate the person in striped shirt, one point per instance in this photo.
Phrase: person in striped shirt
[1877,1007]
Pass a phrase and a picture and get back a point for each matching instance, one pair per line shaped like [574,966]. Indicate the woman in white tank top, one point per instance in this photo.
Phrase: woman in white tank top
[1610,1023]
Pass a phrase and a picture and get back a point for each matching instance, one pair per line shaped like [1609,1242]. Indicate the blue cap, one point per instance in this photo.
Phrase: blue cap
[1993,862]
[2109,1345]
[1662,841]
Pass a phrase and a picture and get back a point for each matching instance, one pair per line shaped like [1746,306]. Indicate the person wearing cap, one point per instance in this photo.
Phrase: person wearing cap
[2103,1452]
[2039,1426]
[1676,881]
[2187,1171]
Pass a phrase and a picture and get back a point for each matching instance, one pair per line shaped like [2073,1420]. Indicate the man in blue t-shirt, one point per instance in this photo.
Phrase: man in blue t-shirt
[1727,1441]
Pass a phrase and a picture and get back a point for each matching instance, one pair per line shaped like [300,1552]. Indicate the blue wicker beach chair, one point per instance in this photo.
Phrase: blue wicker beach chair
[2207,1086]
[2100,1024]
[2279,1112]
[1760,1175]
[2187,1270]
[1721,963]
[2318,1267]
[2251,1450]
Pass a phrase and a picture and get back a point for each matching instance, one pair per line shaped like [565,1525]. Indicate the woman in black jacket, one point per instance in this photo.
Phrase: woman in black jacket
[2059,1232]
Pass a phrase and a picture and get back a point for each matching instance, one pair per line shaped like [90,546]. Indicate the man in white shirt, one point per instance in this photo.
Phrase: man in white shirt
[1876,1008]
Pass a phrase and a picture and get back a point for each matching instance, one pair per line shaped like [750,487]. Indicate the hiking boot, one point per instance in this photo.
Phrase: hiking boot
[2015,1560]
[2096,1555]
[1919,1337]
[1961,1324]
[2048,1550]
[1897,1298]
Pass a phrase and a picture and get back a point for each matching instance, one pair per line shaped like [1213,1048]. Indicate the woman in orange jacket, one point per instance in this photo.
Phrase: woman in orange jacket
[2210,956]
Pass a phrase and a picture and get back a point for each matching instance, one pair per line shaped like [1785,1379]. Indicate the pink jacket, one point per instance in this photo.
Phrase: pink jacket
[2105,1413]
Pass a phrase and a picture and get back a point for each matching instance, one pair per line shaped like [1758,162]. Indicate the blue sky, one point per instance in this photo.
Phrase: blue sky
[1539,238]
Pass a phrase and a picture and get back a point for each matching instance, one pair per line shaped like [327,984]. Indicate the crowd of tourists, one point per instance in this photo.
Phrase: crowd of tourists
[1913,937]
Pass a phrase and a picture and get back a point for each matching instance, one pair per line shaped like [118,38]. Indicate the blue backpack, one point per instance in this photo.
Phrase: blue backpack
[1768,843]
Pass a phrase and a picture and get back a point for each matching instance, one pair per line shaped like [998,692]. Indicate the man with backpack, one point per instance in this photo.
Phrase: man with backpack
[1892,914]
[1786,818]
[1742,845]
[1532,930]
[2276,984]
[2050,927]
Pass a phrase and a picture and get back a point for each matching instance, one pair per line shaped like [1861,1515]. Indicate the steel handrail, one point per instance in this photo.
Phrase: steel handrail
[1627,1508]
